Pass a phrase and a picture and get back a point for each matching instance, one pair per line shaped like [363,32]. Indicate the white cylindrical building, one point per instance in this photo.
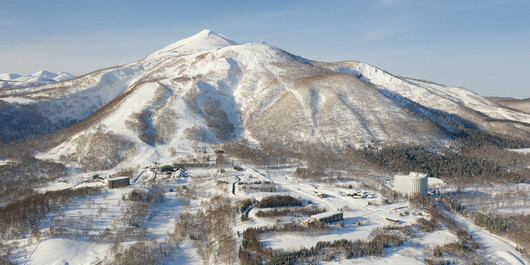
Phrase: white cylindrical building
[414,183]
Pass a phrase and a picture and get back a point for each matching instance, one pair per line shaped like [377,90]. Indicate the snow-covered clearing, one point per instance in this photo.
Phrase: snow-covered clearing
[60,251]
[79,230]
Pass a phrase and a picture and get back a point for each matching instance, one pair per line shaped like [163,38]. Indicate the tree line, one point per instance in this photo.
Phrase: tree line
[418,158]
[253,252]
[24,215]
[278,201]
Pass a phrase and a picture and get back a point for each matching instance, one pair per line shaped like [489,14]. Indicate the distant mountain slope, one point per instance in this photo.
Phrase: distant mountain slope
[513,103]
[208,89]
[12,81]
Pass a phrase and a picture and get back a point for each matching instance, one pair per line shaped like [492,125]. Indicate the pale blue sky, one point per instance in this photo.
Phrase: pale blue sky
[481,45]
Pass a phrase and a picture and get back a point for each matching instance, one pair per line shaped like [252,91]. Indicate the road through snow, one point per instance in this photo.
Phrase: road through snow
[498,249]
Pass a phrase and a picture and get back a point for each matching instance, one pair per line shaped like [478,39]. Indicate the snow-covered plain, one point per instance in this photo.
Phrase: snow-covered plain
[106,209]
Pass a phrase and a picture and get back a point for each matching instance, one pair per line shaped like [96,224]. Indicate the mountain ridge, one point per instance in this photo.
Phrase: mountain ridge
[13,81]
[216,91]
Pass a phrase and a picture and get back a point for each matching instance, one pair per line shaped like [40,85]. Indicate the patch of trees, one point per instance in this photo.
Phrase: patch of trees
[252,250]
[140,253]
[141,201]
[17,179]
[303,211]
[278,201]
[167,168]
[309,172]
[318,157]
[141,124]
[480,145]
[20,121]
[416,158]
[472,138]
[211,110]
[427,226]
[100,149]
[211,230]
[186,193]
[515,227]
[261,157]
[126,172]
[494,224]
[245,204]
[452,204]
[164,124]
[155,194]
[5,252]
[24,215]
[251,235]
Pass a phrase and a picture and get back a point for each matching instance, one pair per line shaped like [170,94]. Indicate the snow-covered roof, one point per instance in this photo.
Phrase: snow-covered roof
[118,178]
[412,175]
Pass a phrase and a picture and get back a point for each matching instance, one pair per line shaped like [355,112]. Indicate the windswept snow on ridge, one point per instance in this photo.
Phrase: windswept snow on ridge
[205,40]
[438,96]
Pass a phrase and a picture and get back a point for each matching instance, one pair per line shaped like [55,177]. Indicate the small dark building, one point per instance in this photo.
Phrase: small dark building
[190,165]
[328,217]
[118,182]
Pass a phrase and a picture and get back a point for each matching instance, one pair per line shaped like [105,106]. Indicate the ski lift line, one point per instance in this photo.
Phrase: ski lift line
[32,253]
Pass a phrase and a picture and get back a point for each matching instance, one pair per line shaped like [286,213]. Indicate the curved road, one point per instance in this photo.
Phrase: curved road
[234,185]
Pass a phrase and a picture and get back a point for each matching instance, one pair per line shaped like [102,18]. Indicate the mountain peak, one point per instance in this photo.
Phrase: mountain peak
[205,40]
[9,76]
[205,32]
[44,74]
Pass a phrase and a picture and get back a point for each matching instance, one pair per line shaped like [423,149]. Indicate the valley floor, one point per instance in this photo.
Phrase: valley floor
[101,228]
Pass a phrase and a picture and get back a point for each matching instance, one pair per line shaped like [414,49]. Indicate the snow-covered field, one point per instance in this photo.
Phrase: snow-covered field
[86,219]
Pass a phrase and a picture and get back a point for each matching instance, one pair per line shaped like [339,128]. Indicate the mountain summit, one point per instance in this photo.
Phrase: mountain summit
[207,89]
[205,40]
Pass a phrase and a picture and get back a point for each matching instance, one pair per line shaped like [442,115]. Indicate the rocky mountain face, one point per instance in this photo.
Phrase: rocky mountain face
[208,89]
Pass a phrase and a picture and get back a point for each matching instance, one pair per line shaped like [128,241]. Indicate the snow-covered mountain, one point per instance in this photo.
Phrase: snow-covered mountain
[209,89]
[518,104]
[39,78]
